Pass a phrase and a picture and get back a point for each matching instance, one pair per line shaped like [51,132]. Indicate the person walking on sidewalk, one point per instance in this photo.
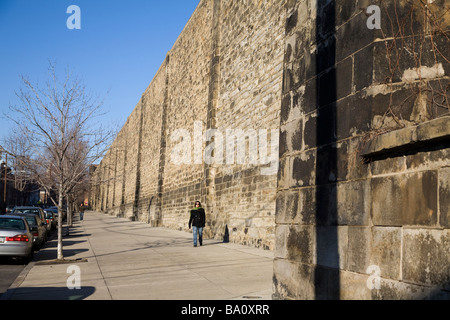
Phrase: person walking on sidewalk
[81,211]
[197,220]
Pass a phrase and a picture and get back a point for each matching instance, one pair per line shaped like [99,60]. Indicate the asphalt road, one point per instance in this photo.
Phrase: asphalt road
[9,271]
[11,268]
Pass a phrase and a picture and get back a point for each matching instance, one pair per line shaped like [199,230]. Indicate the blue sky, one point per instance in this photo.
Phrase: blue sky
[119,48]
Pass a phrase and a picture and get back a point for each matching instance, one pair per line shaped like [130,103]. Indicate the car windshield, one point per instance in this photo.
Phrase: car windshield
[31,221]
[33,211]
[12,224]
[48,214]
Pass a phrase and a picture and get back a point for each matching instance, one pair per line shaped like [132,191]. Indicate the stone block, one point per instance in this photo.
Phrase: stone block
[300,243]
[444,197]
[332,246]
[363,68]
[309,96]
[292,134]
[386,251]
[353,203]
[354,286]
[406,199]
[327,164]
[337,82]
[426,257]
[286,105]
[387,166]
[354,116]
[287,207]
[283,175]
[353,36]
[303,169]
[359,243]
[434,129]
[397,290]
[326,205]
[310,131]
[328,86]
[293,280]
[326,283]
[306,206]
[281,231]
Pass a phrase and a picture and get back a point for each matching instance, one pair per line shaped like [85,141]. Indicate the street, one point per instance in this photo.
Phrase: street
[9,270]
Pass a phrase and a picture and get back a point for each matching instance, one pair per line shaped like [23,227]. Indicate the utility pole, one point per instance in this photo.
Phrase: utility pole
[6,171]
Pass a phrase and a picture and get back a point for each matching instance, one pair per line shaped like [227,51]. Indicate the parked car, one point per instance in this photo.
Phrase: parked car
[51,219]
[16,239]
[55,211]
[38,229]
[32,210]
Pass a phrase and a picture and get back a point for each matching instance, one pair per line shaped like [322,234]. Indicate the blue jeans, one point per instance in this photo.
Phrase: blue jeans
[200,233]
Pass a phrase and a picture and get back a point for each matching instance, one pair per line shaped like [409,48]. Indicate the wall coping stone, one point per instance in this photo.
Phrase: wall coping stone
[405,139]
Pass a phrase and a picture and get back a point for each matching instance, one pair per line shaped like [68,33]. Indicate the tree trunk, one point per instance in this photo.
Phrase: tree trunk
[69,212]
[60,225]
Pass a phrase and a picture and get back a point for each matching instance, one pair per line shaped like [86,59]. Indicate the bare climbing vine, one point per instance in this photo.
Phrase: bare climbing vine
[416,36]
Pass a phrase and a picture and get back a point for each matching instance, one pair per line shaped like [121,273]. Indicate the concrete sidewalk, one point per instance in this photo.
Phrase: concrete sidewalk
[116,259]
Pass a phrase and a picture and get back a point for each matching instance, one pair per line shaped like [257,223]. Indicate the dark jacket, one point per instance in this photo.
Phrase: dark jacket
[197,217]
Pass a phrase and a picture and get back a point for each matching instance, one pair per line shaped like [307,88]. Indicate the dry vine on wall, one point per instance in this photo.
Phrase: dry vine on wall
[416,36]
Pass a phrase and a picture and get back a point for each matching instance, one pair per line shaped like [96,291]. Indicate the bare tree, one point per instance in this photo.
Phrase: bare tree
[22,178]
[60,122]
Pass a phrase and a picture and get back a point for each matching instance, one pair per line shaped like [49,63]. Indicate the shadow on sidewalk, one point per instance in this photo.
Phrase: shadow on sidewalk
[52,293]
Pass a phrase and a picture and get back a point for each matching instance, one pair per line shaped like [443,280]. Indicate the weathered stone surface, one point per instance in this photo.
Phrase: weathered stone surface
[353,203]
[444,197]
[355,287]
[426,257]
[359,244]
[408,199]
[437,129]
[386,251]
[293,280]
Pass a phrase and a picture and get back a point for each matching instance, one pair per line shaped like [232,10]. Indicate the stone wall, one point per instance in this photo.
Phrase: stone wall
[362,200]
[224,73]
[343,165]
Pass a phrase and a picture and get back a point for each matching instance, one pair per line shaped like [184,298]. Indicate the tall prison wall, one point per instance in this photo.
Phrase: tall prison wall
[224,72]
[355,204]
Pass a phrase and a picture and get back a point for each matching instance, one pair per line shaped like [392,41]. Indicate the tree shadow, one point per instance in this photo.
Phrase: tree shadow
[48,293]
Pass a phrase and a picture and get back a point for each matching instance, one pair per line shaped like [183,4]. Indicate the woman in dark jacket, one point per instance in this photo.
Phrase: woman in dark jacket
[197,220]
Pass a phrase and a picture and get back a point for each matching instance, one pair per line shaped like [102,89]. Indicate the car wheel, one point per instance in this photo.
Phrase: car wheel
[26,260]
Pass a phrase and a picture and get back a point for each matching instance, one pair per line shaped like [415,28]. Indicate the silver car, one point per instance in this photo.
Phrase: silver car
[16,239]
[38,229]
[32,210]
